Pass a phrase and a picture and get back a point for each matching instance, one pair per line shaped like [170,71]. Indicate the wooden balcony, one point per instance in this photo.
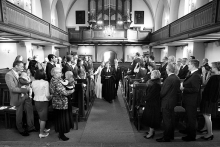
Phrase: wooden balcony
[120,35]
[15,20]
[204,20]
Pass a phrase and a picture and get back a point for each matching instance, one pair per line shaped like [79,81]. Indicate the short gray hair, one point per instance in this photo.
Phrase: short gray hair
[156,74]
[171,67]
[54,71]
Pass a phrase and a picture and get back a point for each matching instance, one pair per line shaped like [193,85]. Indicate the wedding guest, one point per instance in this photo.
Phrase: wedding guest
[162,68]
[210,97]
[61,104]
[151,67]
[41,97]
[169,96]
[183,69]
[140,71]
[81,69]
[191,90]
[151,114]
[20,103]
[51,64]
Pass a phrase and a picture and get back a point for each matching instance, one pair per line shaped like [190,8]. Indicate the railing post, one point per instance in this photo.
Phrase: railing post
[214,11]
[4,13]
[50,30]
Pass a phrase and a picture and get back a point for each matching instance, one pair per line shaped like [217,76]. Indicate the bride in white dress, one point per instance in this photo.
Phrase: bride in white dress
[98,84]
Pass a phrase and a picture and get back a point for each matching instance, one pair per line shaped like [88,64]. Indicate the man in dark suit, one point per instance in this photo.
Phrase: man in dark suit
[183,69]
[68,65]
[162,69]
[191,91]
[118,77]
[169,95]
[51,64]
[21,103]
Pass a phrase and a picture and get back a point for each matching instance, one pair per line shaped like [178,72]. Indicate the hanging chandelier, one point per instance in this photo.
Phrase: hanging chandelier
[109,30]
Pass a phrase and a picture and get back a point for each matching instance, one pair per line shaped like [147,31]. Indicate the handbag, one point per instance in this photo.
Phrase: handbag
[60,102]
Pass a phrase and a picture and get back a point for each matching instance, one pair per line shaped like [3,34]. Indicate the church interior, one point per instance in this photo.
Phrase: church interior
[105,30]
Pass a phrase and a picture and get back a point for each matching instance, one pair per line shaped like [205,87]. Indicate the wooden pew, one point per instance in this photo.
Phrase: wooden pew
[139,92]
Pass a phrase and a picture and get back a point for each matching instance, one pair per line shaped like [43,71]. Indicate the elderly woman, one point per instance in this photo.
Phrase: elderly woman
[61,104]
[151,114]
[210,96]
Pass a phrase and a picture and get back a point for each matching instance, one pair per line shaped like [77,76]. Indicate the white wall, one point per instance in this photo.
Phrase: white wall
[212,52]
[130,52]
[157,55]
[179,52]
[36,8]
[7,59]
[102,49]
[181,8]
[71,18]
[139,5]
[87,50]
[199,51]
[39,51]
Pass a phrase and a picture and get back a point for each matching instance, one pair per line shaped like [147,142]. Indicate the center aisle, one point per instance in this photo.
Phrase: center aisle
[108,123]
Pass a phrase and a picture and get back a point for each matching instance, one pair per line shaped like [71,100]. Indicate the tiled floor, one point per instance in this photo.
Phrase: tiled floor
[107,126]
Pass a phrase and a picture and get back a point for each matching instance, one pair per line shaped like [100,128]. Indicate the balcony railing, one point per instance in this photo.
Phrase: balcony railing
[201,19]
[118,35]
[18,19]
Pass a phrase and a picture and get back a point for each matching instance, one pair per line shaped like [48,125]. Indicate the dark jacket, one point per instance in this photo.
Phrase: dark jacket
[163,71]
[169,92]
[135,61]
[192,87]
[118,73]
[48,71]
[66,68]
[183,72]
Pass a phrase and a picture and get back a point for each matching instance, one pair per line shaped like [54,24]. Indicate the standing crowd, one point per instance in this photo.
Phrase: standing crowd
[52,82]
[181,82]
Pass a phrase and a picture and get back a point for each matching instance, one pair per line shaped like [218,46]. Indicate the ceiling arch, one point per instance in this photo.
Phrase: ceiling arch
[162,6]
[151,11]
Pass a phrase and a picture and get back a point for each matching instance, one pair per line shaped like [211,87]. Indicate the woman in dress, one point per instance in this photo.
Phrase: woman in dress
[151,114]
[81,69]
[108,82]
[63,117]
[140,71]
[41,97]
[98,84]
[151,66]
[210,97]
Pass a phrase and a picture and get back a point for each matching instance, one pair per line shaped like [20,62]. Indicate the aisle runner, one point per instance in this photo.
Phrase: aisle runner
[108,123]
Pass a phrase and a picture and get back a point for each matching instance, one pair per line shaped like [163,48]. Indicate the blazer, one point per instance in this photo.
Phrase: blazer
[183,72]
[169,92]
[192,86]
[14,89]
[118,73]
[48,71]
[163,71]
[66,68]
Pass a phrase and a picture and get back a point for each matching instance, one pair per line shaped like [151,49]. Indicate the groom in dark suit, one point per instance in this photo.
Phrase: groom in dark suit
[191,91]
[118,76]
[20,103]
[169,97]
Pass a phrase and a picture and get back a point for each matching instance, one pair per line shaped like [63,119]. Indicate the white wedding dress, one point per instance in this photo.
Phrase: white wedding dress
[98,84]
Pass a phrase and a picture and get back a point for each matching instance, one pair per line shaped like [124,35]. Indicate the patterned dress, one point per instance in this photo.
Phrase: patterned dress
[63,117]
